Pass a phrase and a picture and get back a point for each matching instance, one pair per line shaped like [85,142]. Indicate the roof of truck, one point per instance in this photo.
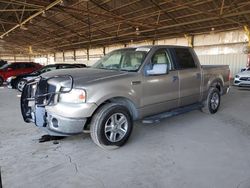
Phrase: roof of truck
[154,46]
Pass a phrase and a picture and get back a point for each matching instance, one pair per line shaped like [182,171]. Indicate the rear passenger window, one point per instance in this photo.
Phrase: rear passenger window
[66,66]
[29,65]
[184,58]
[47,69]
[13,66]
[21,65]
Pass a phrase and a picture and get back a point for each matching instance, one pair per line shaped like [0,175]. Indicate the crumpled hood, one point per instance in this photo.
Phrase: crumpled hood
[83,75]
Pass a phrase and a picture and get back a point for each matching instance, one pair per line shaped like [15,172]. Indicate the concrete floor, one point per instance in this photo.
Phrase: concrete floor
[194,150]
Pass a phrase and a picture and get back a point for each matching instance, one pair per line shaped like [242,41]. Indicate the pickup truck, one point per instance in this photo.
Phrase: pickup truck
[146,83]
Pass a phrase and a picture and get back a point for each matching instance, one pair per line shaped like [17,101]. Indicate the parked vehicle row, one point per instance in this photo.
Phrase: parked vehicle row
[148,83]
[18,82]
[17,68]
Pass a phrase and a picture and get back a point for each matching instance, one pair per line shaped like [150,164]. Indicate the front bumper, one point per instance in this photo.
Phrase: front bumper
[57,119]
[63,119]
[56,125]
[243,83]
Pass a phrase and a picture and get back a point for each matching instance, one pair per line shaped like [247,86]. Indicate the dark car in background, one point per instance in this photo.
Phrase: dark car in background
[15,69]
[18,82]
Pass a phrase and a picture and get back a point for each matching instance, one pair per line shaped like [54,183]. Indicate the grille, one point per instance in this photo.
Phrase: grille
[45,93]
[245,78]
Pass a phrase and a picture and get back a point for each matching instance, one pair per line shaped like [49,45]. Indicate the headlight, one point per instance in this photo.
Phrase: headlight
[74,96]
[237,76]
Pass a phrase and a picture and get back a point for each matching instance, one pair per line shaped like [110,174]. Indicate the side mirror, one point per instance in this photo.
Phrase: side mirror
[158,69]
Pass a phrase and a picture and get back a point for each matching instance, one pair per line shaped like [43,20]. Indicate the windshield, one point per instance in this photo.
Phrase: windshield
[124,60]
[245,69]
[44,69]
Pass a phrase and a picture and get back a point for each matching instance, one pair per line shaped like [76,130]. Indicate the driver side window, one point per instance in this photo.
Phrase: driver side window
[162,57]
[160,63]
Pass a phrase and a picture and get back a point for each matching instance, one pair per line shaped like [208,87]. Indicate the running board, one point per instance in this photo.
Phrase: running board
[157,118]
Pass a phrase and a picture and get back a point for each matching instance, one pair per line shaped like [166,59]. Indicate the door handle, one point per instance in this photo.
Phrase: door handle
[135,82]
[175,78]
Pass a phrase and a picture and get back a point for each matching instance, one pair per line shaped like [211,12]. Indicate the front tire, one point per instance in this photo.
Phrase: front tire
[212,103]
[111,126]
[20,84]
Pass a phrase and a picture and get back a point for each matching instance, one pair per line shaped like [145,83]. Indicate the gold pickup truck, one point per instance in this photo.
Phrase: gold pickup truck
[148,83]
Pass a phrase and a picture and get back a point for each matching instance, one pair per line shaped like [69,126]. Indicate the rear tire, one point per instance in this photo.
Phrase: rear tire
[20,84]
[111,126]
[212,103]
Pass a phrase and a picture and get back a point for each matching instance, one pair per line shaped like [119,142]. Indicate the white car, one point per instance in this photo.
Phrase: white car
[242,78]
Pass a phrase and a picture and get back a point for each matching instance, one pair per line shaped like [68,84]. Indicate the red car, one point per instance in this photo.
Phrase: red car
[17,68]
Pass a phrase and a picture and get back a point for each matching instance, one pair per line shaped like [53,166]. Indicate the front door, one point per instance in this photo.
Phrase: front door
[160,92]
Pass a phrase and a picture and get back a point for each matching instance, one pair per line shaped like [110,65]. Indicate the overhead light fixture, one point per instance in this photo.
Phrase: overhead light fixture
[212,30]
[63,3]
[137,31]
[44,14]
[22,27]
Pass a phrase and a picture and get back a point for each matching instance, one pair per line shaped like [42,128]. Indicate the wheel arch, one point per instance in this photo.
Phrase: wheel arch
[217,83]
[124,102]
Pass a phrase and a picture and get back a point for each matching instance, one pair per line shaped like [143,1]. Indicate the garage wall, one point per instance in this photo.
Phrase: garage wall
[224,48]
[17,58]
[235,61]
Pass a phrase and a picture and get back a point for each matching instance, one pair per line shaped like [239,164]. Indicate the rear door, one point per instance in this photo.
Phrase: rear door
[189,76]
[160,92]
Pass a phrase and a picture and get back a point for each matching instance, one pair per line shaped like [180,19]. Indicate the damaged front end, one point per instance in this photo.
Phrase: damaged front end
[42,93]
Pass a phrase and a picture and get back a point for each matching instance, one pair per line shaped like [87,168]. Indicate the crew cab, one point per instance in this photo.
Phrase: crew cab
[148,83]
[17,68]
